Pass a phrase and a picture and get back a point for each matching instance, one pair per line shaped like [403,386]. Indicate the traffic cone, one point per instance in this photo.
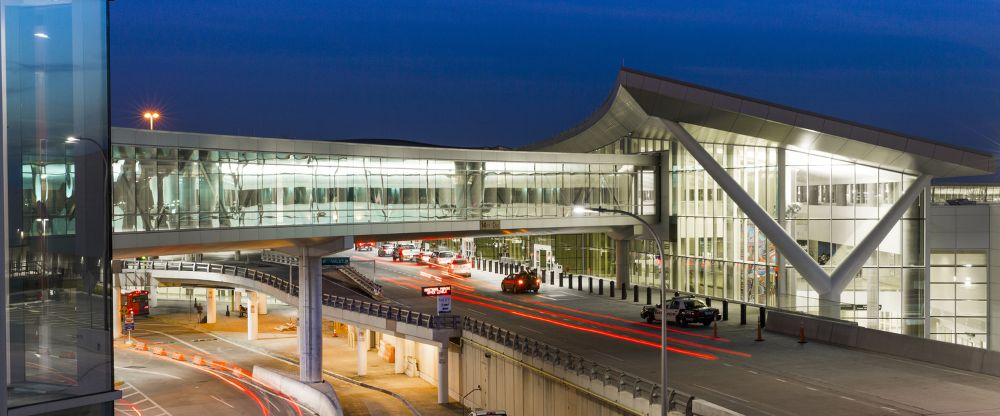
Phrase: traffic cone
[715,329]
[802,332]
[760,336]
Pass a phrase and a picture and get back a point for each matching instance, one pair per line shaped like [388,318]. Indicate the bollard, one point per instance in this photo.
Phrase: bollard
[649,295]
[725,310]
[762,317]
[635,293]
[552,277]
[600,286]
[560,280]
[624,290]
[760,336]
[708,301]
[489,266]
[611,288]
[715,329]
[802,332]
[570,280]
[590,283]
[579,282]
[743,314]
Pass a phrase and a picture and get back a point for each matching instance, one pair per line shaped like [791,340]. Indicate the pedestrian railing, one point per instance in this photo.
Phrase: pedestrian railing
[376,309]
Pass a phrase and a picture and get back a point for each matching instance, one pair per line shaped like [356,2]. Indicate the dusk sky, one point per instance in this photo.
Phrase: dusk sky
[475,73]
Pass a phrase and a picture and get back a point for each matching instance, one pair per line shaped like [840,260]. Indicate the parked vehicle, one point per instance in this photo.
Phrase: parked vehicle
[683,310]
[386,250]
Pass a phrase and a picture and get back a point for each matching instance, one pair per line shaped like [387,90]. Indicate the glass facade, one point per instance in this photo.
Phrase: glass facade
[979,194]
[959,291]
[165,188]
[56,74]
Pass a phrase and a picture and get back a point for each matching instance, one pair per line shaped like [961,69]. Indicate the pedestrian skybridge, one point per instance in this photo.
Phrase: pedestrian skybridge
[182,192]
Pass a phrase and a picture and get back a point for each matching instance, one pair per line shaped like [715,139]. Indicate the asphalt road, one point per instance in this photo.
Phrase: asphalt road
[776,377]
[162,385]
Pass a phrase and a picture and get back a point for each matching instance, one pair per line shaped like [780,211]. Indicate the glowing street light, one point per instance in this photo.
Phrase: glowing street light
[151,116]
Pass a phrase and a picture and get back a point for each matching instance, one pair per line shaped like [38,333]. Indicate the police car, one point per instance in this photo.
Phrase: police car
[683,310]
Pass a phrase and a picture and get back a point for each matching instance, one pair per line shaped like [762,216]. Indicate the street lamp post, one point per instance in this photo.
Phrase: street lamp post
[151,116]
[663,295]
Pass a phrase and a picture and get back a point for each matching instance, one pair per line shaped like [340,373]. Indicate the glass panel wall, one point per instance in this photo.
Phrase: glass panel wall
[56,87]
[176,189]
[959,290]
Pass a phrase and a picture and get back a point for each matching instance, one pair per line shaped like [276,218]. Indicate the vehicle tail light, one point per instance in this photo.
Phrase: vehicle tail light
[520,282]
[538,280]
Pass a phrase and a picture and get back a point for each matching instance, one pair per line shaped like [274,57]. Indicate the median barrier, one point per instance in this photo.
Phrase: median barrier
[318,397]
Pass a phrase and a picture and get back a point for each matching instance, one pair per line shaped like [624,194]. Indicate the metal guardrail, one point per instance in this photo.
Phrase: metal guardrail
[271,256]
[376,309]
[620,380]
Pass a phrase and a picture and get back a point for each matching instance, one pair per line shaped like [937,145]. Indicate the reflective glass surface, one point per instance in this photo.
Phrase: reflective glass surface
[166,188]
[58,233]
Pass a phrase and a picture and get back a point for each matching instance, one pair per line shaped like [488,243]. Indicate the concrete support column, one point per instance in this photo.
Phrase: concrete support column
[622,262]
[152,297]
[253,320]
[443,373]
[210,311]
[400,365]
[310,319]
[237,300]
[116,306]
[262,304]
[362,347]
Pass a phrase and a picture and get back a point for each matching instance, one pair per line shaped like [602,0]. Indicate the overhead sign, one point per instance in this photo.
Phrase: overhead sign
[436,290]
[489,224]
[335,261]
[444,304]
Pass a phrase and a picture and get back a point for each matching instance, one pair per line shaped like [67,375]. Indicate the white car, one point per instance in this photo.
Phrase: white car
[385,250]
[443,258]
[424,257]
[461,267]
[405,252]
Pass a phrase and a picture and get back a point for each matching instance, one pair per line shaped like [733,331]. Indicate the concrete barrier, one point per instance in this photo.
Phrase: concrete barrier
[318,397]
[702,408]
[849,334]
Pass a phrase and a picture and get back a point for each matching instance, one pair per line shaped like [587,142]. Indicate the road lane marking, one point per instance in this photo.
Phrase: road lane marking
[222,401]
[719,392]
[609,355]
[530,329]
[192,346]
[889,409]
[783,381]
[148,372]
[811,388]
[847,398]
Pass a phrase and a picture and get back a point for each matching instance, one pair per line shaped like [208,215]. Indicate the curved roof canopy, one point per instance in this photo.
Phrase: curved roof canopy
[640,101]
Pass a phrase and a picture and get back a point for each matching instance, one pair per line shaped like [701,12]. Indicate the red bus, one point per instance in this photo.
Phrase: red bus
[135,303]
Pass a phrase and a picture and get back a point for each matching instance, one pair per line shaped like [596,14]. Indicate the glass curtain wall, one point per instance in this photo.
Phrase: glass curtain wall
[959,290]
[589,254]
[175,189]
[58,341]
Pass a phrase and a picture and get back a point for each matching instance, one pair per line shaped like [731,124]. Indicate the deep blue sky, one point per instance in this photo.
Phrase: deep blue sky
[508,72]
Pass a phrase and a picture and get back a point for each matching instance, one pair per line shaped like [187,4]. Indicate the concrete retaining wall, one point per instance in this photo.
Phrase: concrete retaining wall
[851,335]
[319,398]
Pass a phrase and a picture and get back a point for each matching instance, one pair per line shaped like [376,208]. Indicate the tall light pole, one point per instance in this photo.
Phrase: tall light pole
[663,295]
[151,116]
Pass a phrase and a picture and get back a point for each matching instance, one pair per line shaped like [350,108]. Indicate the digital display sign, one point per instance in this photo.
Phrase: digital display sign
[436,290]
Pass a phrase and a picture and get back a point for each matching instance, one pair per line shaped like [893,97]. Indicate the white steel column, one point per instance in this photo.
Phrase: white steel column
[362,346]
[253,320]
[310,329]
[237,301]
[443,373]
[851,264]
[211,307]
[803,263]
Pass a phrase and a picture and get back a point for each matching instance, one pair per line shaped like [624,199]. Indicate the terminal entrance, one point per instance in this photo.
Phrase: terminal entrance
[542,257]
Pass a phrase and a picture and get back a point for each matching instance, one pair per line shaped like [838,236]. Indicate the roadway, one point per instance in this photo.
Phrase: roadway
[162,385]
[776,377]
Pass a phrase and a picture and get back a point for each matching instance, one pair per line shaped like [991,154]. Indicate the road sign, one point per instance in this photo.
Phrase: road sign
[129,319]
[335,261]
[129,326]
[436,290]
[444,304]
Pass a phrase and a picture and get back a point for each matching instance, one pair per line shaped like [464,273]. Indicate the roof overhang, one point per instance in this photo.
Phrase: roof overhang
[640,101]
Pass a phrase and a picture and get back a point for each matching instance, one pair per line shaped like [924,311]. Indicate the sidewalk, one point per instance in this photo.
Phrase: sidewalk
[338,357]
